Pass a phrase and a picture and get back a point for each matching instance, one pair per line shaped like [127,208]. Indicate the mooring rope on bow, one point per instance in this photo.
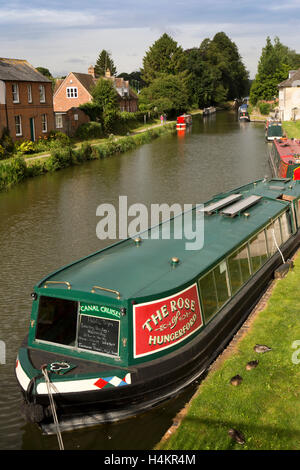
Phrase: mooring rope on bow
[52,405]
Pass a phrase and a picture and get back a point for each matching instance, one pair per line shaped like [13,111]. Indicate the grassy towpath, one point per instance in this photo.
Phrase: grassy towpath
[265,407]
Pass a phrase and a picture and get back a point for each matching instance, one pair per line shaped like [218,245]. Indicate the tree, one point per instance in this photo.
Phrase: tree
[217,71]
[163,57]
[44,72]
[105,99]
[167,94]
[274,64]
[103,63]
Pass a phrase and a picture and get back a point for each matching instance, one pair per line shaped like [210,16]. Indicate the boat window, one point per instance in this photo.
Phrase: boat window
[214,290]
[258,251]
[285,227]
[208,295]
[239,268]
[297,207]
[277,232]
[57,321]
[222,283]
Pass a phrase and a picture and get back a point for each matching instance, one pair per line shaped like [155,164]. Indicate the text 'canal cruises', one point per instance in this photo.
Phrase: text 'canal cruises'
[285,158]
[133,324]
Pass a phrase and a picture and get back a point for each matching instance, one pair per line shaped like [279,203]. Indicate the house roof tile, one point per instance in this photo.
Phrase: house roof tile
[20,70]
[289,82]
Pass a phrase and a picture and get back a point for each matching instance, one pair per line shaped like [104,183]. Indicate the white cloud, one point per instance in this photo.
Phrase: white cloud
[61,18]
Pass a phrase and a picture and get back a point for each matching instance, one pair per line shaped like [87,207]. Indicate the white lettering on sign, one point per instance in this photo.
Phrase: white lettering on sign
[99,309]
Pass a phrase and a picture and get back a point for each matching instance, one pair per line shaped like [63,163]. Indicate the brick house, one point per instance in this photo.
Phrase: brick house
[289,97]
[26,101]
[75,90]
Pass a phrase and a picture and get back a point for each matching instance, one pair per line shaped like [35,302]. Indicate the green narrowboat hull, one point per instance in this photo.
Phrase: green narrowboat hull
[142,339]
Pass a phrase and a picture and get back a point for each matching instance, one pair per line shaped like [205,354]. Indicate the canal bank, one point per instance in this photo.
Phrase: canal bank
[259,408]
[17,169]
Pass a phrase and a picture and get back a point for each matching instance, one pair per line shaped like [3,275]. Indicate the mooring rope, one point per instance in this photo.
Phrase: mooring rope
[283,260]
[53,409]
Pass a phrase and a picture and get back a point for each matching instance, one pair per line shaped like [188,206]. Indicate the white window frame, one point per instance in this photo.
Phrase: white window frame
[44,123]
[72,92]
[15,93]
[42,94]
[59,121]
[29,93]
[18,125]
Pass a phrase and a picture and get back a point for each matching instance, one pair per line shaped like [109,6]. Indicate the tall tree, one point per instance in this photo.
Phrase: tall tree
[274,64]
[164,56]
[103,63]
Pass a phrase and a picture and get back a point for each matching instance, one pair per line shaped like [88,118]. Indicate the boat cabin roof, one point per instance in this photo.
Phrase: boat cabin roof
[288,150]
[141,269]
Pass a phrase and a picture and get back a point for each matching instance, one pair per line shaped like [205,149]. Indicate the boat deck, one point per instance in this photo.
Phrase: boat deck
[141,270]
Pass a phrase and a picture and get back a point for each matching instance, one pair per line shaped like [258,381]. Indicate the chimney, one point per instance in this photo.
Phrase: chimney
[292,72]
[107,73]
[91,71]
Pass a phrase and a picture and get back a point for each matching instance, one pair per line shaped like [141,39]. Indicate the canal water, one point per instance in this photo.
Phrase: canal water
[49,221]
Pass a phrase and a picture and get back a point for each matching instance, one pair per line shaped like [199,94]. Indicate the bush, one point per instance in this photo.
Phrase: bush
[264,108]
[7,143]
[89,130]
[60,158]
[12,172]
[27,146]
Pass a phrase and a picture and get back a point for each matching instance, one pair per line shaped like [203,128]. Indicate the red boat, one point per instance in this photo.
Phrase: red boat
[183,121]
[285,158]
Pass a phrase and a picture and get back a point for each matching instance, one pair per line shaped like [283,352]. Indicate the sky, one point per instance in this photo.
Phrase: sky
[68,37]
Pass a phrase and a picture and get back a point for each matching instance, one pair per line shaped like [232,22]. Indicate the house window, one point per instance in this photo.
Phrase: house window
[42,94]
[58,121]
[18,123]
[15,92]
[29,93]
[44,123]
[72,92]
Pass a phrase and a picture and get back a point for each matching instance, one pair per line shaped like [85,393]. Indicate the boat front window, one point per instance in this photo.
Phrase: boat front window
[57,321]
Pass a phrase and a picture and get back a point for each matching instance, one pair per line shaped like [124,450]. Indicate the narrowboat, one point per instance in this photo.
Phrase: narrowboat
[184,121]
[209,110]
[273,130]
[284,157]
[243,113]
[132,325]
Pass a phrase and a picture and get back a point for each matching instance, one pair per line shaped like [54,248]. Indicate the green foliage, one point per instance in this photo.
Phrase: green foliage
[89,130]
[25,147]
[7,144]
[166,94]
[105,97]
[217,72]
[264,108]
[92,110]
[103,63]
[12,172]
[164,57]
[44,71]
[274,64]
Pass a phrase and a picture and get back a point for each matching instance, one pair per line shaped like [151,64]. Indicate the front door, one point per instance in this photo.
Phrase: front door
[32,131]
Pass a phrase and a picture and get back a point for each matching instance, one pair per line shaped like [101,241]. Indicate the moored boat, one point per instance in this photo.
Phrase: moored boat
[184,121]
[209,110]
[273,130]
[285,158]
[133,324]
[243,113]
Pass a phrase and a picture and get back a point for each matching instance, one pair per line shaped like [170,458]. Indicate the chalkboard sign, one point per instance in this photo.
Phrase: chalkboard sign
[99,334]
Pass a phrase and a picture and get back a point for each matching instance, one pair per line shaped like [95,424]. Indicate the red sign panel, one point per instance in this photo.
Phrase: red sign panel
[165,322]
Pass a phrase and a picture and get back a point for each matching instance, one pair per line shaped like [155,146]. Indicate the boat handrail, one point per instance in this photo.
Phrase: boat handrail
[58,282]
[107,290]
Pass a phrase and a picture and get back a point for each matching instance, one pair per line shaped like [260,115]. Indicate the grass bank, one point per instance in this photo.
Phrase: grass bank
[292,129]
[265,407]
[17,169]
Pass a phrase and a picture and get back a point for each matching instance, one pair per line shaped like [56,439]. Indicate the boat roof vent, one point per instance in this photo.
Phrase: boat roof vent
[234,209]
[215,206]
